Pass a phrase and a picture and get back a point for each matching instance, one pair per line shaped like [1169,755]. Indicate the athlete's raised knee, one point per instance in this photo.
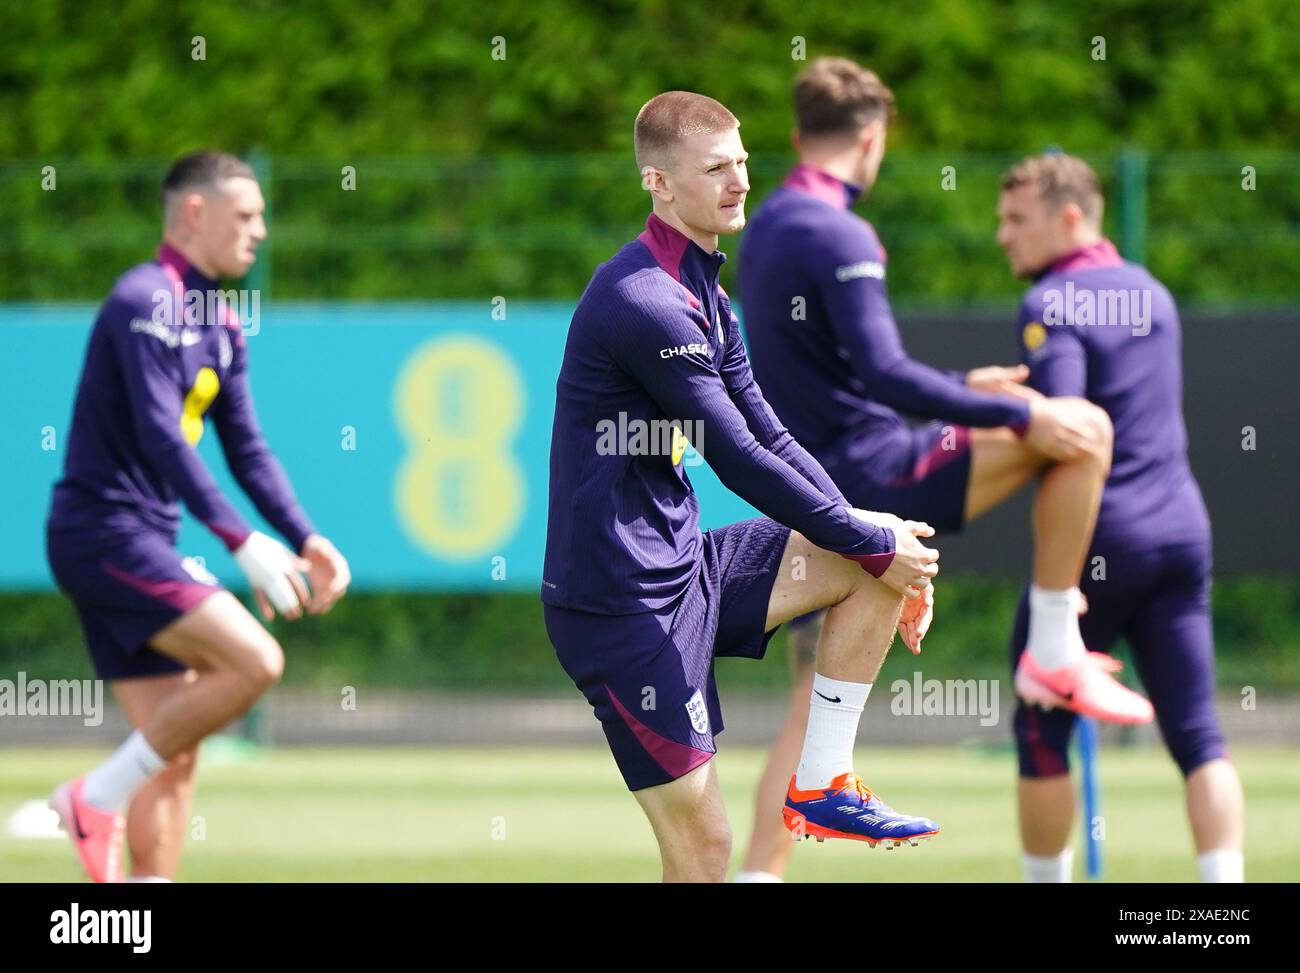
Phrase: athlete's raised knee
[259,660]
[1094,420]
[1073,430]
[269,665]
[1103,431]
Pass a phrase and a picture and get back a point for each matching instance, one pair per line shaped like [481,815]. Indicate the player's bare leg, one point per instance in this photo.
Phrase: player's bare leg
[1216,809]
[1002,464]
[1046,813]
[235,660]
[690,824]
[1065,509]
[861,615]
[1057,669]
[1046,806]
[857,630]
[770,845]
[158,817]
[687,814]
[1069,496]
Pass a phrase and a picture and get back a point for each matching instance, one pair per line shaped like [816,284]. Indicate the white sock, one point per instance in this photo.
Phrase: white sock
[832,731]
[1222,865]
[149,878]
[1049,868]
[1054,639]
[114,782]
[758,878]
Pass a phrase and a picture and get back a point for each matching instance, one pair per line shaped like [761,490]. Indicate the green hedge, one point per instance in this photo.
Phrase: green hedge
[498,641]
[478,177]
[333,78]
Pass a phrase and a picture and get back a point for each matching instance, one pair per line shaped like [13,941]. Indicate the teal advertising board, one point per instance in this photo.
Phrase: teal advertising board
[417,436]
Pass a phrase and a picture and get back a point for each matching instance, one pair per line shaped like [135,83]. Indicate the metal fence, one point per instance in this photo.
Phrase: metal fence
[1221,229]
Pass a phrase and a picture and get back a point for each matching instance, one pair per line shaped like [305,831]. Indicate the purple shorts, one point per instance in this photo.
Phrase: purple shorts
[1159,603]
[126,589]
[915,473]
[649,676]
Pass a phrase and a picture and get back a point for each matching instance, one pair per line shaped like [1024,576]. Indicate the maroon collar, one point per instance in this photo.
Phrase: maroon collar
[666,243]
[169,256]
[819,183]
[1094,255]
[178,265]
[682,259]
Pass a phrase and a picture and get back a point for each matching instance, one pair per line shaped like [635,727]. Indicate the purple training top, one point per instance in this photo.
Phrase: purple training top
[1095,326]
[148,381]
[823,339]
[653,340]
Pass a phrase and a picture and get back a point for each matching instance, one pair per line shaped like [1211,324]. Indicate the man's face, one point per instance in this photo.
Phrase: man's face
[708,182]
[230,226]
[1031,234]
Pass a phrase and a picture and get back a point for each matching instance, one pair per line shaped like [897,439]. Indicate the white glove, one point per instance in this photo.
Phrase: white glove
[269,566]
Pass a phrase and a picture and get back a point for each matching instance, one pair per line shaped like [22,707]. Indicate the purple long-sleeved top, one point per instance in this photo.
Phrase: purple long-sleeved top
[653,339]
[822,336]
[151,375]
[1095,326]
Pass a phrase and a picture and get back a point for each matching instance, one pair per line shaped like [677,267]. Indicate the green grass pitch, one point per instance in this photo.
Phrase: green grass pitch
[527,815]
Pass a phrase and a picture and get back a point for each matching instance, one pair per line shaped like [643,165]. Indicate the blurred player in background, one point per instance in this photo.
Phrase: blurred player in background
[638,601]
[1093,325]
[183,655]
[828,355]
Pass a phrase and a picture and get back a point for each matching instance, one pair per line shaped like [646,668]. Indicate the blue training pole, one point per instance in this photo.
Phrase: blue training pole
[1087,743]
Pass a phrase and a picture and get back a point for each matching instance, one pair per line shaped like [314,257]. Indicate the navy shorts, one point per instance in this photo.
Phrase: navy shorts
[1159,602]
[916,473]
[126,589]
[649,676]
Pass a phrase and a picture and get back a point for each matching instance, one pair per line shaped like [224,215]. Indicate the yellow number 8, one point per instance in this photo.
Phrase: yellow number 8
[459,491]
[197,399]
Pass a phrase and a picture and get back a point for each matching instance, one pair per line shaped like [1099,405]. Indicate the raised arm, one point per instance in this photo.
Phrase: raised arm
[1058,364]
[687,388]
[850,271]
[262,477]
[765,425]
[256,469]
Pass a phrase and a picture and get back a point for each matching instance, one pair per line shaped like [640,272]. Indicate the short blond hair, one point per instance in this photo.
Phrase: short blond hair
[666,119]
[1059,179]
[835,96]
